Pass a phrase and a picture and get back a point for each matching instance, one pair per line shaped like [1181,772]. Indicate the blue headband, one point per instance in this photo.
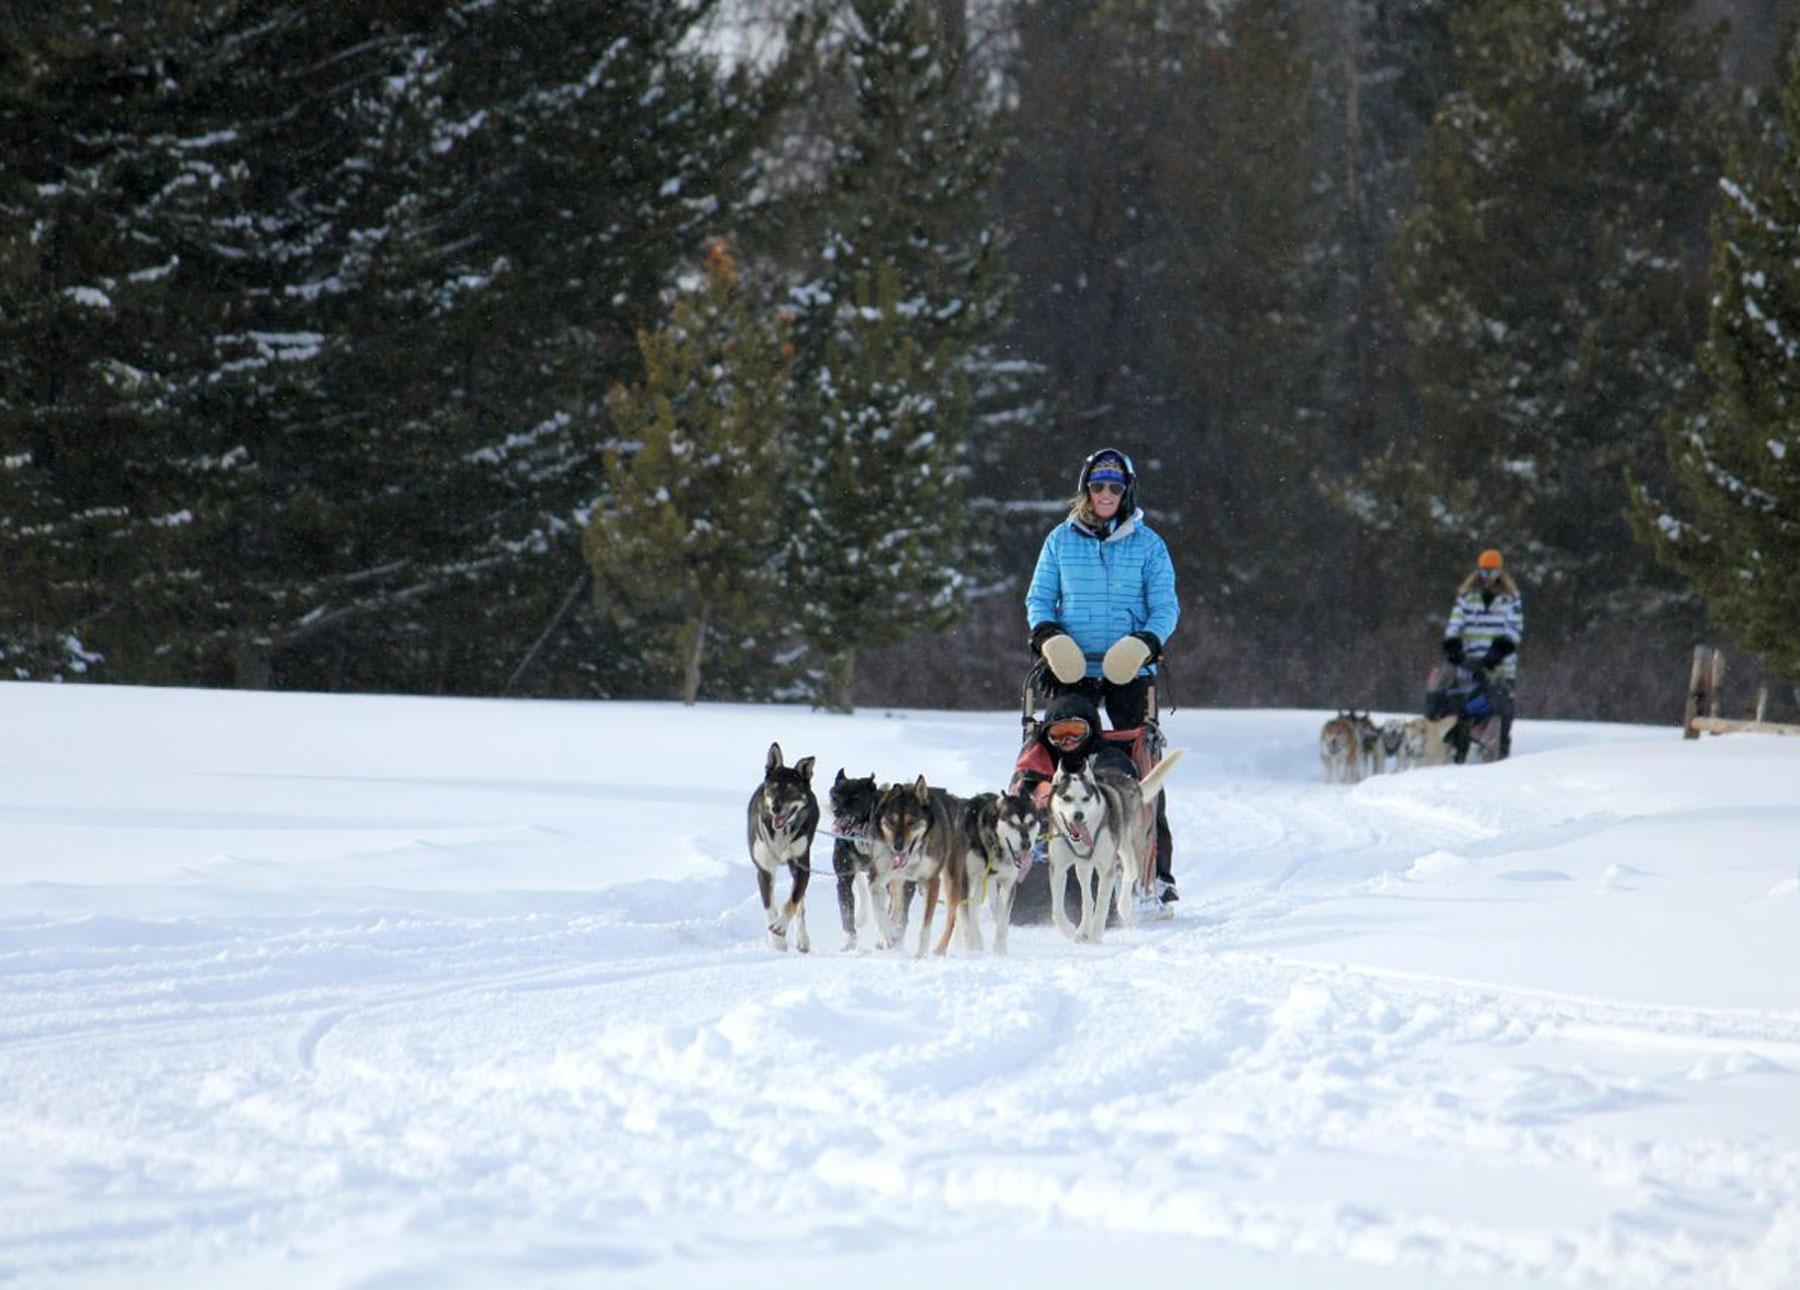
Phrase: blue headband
[1107,474]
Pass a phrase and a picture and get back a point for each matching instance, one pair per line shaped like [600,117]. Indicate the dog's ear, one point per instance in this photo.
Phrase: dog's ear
[774,762]
[922,791]
[840,776]
[804,766]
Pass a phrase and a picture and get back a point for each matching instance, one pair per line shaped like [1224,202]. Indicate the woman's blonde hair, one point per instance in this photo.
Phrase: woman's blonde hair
[1081,509]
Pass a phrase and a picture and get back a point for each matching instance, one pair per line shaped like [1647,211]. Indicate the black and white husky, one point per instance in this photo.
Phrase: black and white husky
[854,857]
[784,815]
[1000,828]
[1099,828]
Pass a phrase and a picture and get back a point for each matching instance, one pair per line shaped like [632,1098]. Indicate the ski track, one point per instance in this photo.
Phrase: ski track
[605,1092]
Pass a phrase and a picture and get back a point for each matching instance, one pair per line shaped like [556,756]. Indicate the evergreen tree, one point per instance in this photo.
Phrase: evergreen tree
[879,552]
[309,309]
[1737,461]
[1547,277]
[136,360]
[686,542]
[903,296]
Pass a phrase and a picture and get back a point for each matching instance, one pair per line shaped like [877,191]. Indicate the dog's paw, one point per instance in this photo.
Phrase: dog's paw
[777,940]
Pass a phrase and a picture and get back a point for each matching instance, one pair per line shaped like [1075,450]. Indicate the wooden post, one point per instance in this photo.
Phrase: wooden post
[1696,691]
[1715,690]
[1762,702]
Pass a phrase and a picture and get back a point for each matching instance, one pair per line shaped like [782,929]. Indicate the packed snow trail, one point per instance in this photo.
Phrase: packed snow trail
[371,992]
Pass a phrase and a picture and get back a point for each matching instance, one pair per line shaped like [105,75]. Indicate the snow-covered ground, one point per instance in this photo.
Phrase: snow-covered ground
[331,991]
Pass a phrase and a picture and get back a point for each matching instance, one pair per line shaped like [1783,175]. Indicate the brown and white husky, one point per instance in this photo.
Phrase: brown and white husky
[920,831]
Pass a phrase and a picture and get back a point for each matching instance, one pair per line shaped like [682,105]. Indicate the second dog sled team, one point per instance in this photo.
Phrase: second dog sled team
[1100,608]
[1468,701]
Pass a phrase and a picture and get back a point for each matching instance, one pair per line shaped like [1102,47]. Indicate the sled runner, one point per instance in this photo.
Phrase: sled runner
[1034,769]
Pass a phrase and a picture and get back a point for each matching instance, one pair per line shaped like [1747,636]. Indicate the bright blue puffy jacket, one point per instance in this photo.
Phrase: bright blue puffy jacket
[1103,588]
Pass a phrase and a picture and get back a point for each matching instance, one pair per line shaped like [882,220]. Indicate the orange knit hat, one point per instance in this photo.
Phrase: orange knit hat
[1489,559]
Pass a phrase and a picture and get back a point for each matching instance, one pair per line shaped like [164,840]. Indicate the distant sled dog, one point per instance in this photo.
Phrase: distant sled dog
[783,817]
[1423,742]
[1100,829]
[1368,738]
[1341,750]
[1393,743]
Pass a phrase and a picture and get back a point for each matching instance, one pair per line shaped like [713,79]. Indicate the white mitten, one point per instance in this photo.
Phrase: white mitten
[1067,663]
[1125,660]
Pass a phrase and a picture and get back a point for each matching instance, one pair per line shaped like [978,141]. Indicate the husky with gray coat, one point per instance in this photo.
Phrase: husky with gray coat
[784,815]
[922,831]
[1001,828]
[1099,827]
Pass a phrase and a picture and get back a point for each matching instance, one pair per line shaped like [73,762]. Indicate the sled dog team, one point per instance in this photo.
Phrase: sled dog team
[891,840]
[1352,746]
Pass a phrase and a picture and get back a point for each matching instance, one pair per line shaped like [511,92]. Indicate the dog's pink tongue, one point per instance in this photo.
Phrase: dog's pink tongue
[1081,833]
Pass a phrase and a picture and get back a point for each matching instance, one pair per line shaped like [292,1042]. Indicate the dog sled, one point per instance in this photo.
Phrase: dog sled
[1034,770]
[1463,692]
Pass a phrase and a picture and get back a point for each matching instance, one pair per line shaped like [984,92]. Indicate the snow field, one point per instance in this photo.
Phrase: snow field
[376,992]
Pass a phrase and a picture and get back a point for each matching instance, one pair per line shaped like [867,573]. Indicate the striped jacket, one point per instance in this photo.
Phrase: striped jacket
[1478,617]
[1103,588]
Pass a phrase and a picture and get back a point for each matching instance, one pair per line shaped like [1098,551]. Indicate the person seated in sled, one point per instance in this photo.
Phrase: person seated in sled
[1486,624]
[1100,607]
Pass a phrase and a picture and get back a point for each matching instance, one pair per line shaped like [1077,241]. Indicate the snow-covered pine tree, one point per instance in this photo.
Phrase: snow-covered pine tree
[1547,277]
[138,358]
[878,554]
[310,308]
[1736,535]
[573,152]
[686,541]
[897,330]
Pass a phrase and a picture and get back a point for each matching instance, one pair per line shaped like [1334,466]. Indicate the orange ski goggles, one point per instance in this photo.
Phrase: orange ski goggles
[1069,733]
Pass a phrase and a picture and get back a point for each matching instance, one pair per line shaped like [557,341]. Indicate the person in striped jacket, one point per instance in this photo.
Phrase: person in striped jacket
[1486,624]
[1101,606]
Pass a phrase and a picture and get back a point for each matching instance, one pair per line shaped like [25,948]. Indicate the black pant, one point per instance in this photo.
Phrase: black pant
[1501,692]
[1127,707]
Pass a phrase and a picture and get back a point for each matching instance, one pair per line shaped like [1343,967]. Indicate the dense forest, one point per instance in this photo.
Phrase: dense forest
[628,348]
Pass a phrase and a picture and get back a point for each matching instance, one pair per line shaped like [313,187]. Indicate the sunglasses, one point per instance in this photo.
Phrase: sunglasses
[1068,734]
[1116,490]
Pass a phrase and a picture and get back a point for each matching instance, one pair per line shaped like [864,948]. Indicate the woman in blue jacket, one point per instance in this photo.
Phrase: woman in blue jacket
[1102,604]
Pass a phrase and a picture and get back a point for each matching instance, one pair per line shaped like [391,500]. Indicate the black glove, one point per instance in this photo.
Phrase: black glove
[1153,641]
[1453,649]
[1498,651]
[1043,632]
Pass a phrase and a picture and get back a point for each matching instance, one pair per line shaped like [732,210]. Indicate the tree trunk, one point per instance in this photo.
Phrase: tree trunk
[842,676]
[695,632]
[251,668]
[953,22]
